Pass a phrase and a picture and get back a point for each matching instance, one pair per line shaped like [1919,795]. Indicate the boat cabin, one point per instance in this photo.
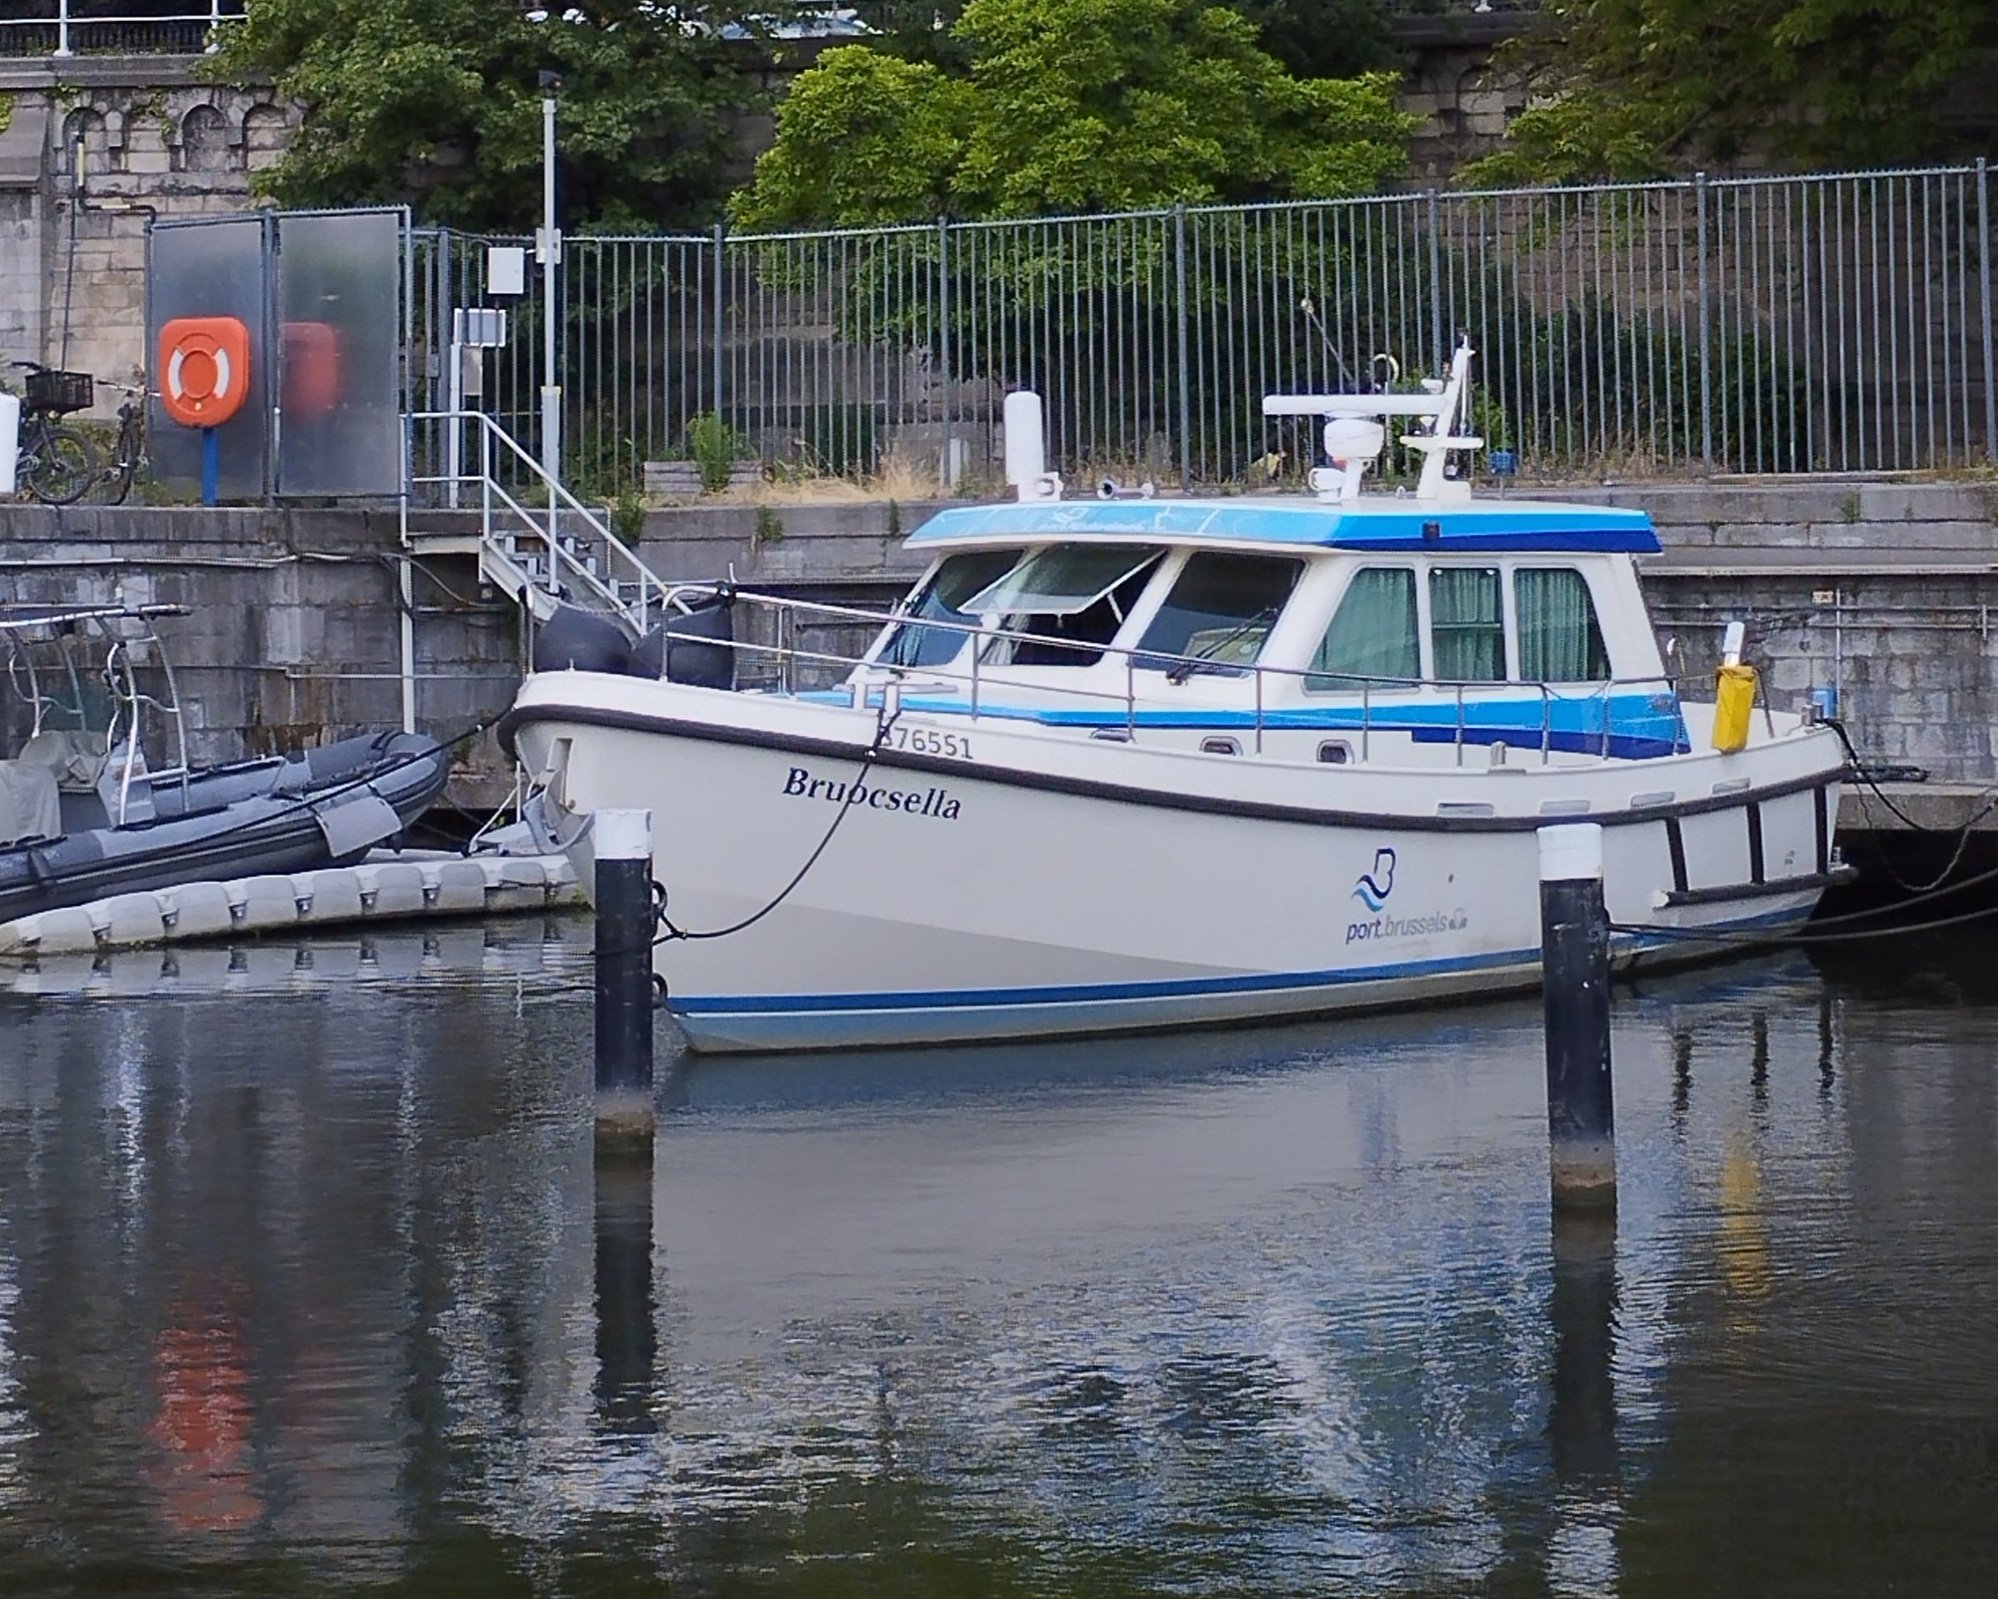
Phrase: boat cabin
[1511,622]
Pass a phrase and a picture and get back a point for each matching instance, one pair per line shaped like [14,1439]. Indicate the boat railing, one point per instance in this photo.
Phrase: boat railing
[1383,702]
[128,703]
[131,645]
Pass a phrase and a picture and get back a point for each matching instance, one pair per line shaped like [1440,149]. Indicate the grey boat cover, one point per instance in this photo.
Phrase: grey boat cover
[75,758]
[29,805]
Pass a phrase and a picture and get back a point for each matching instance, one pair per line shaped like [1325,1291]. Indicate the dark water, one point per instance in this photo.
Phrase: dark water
[308,1285]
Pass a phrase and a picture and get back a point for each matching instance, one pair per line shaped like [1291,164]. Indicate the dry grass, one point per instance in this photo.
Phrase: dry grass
[898,479]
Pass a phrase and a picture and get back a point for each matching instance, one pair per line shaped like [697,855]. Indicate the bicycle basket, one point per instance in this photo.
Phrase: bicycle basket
[59,393]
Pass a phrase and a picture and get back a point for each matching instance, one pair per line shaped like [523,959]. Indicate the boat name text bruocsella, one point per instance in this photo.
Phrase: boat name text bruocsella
[1142,761]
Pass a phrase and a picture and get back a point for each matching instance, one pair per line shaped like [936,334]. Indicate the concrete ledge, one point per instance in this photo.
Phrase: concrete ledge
[1937,807]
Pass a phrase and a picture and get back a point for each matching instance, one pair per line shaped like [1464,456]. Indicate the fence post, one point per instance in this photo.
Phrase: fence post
[214,25]
[62,29]
[944,474]
[1984,297]
[715,332]
[1706,321]
[1185,400]
[1439,342]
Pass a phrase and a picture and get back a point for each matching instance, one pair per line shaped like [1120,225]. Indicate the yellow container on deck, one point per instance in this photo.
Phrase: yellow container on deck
[1734,699]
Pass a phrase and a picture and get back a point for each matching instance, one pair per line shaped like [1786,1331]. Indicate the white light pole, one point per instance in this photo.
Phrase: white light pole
[548,251]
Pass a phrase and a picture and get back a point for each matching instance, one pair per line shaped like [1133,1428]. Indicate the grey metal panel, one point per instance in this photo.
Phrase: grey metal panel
[338,300]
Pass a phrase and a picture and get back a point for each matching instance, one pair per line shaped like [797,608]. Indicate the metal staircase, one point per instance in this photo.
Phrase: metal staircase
[537,543]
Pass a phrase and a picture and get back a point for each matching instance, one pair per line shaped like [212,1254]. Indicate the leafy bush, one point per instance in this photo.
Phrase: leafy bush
[715,447]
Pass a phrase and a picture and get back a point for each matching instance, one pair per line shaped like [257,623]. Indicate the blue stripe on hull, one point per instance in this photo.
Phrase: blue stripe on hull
[1093,993]
[938,1016]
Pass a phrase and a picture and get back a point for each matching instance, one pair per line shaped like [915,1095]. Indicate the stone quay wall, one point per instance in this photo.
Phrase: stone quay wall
[1886,592]
[294,637]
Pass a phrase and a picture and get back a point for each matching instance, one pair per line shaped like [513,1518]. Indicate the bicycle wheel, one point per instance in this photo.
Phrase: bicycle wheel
[115,481]
[61,466]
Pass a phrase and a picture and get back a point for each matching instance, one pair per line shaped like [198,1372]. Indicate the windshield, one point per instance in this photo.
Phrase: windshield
[1062,579]
[1221,609]
[942,599]
[1064,602]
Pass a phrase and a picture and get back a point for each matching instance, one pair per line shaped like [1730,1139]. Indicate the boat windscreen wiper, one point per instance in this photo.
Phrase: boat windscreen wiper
[1213,647]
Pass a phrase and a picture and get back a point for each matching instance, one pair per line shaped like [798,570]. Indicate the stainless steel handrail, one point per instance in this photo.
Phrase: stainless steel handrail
[651,592]
[1582,694]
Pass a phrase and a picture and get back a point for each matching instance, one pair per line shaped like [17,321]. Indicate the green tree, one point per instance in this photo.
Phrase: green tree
[1324,38]
[1091,105]
[1636,88]
[438,103]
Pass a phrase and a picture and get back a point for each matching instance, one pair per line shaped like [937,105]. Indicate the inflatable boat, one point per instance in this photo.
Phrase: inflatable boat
[83,816]
[323,808]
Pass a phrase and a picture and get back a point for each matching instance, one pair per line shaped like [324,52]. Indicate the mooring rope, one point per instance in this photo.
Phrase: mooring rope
[884,721]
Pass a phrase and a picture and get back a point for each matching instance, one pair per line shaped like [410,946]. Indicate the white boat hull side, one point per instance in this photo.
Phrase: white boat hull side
[970,906]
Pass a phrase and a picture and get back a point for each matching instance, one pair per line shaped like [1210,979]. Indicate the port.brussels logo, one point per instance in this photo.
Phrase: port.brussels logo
[1373,887]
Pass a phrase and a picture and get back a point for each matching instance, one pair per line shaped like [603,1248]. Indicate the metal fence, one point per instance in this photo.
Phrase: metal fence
[1765,325]
[113,27]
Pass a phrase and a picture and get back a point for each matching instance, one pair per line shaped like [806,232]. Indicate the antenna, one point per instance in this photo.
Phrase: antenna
[1311,316]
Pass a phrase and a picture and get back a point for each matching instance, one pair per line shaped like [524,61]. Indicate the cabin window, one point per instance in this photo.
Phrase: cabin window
[1221,609]
[1072,597]
[1372,636]
[1466,624]
[1560,640]
[942,600]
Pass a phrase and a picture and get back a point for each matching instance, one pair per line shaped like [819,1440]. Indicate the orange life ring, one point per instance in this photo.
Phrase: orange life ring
[204,367]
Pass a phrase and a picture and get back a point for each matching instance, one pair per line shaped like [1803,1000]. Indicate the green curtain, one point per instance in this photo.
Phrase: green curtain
[1465,624]
[1372,633]
[1559,638]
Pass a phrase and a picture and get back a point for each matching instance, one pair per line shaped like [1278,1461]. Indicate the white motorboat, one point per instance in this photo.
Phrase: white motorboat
[1134,762]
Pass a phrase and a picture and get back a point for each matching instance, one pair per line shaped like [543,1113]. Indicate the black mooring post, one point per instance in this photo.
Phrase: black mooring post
[1574,955]
[623,846]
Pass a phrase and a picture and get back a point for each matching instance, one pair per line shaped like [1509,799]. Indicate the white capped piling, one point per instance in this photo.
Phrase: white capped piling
[1574,956]
[623,845]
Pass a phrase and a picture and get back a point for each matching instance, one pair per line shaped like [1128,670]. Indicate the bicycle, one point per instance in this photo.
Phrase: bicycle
[55,464]
[128,451]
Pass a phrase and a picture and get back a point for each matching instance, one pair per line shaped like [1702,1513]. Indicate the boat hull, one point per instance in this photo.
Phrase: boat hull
[898,899]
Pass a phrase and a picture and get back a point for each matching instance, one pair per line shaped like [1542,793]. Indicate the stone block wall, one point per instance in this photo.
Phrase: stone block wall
[294,632]
[154,142]
[1884,591]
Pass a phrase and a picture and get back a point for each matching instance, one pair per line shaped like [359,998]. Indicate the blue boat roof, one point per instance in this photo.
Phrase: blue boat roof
[1380,523]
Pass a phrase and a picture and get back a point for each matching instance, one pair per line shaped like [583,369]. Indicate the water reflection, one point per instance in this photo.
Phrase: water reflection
[627,1339]
[310,1280]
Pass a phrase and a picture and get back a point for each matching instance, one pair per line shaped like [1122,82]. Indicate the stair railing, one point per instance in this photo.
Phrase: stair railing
[627,585]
